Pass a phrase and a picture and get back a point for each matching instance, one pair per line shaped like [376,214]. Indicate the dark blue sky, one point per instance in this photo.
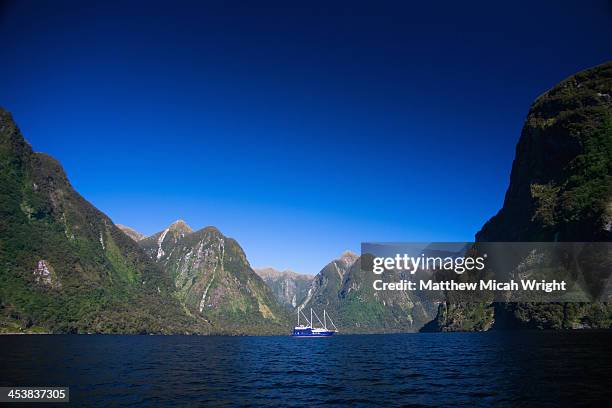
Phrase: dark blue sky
[299,131]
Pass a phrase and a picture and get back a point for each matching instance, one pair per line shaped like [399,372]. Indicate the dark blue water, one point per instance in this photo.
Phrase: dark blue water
[464,369]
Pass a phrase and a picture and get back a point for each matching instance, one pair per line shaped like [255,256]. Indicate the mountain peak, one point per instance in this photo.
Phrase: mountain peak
[348,257]
[181,226]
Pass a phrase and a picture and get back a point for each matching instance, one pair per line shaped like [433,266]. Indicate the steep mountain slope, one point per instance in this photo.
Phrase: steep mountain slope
[346,292]
[327,283]
[64,266]
[130,232]
[560,190]
[289,287]
[560,185]
[163,242]
[214,280]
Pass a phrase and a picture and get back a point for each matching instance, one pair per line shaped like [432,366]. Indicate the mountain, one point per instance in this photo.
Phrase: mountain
[157,244]
[214,280]
[561,176]
[289,287]
[327,283]
[560,190]
[135,235]
[64,265]
[346,292]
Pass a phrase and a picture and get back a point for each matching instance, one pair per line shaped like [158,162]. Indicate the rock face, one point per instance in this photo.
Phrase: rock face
[135,235]
[156,245]
[64,266]
[289,288]
[215,281]
[560,190]
[347,294]
[560,185]
[45,275]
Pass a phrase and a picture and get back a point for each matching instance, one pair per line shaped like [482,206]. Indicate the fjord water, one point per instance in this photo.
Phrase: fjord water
[463,369]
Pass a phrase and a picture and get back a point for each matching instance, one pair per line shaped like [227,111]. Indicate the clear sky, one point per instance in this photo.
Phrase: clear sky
[298,131]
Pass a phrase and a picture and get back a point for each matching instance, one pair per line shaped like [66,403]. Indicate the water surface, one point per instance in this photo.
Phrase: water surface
[454,369]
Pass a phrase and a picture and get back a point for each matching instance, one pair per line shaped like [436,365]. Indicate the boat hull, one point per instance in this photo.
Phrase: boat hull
[308,332]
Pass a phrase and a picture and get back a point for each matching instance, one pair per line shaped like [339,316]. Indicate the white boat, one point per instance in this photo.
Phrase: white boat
[309,330]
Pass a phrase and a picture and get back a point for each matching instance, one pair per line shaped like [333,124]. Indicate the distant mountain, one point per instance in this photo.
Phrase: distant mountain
[214,280]
[64,265]
[560,190]
[157,244]
[347,293]
[328,281]
[135,235]
[289,287]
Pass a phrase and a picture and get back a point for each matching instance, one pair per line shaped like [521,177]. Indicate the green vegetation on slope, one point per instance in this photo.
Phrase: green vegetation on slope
[64,266]
[215,281]
[346,292]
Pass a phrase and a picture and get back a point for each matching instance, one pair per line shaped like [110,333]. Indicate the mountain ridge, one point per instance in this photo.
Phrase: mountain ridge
[270,271]
[130,232]
[288,287]
[64,265]
[214,279]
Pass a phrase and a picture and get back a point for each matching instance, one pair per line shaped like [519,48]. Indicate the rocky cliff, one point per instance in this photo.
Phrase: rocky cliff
[560,184]
[560,190]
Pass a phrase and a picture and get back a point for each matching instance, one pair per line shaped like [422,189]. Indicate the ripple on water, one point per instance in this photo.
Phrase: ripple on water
[460,369]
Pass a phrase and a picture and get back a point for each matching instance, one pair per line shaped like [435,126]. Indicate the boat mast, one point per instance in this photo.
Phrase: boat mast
[332,322]
[317,316]
[324,320]
[301,311]
[311,325]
